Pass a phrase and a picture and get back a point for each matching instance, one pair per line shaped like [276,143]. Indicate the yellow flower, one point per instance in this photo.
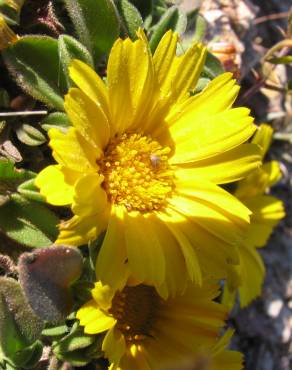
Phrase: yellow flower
[267,211]
[142,162]
[7,36]
[144,331]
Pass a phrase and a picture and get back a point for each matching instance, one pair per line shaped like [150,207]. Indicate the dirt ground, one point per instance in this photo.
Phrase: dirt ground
[264,330]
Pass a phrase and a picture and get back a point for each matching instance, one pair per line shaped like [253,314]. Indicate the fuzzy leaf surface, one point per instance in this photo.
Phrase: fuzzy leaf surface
[34,62]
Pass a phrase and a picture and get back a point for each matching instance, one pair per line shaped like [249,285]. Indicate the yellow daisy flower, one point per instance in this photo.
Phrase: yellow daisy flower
[143,160]
[267,211]
[144,331]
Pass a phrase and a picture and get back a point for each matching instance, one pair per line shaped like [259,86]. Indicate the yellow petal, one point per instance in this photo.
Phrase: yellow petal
[179,75]
[130,83]
[213,253]
[211,217]
[114,346]
[93,319]
[230,166]
[259,181]
[252,271]
[113,253]
[56,183]
[145,254]
[218,96]
[103,295]
[87,117]
[267,212]
[175,264]
[273,171]
[198,139]
[164,55]
[263,138]
[189,254]
[71,150]
[89,196]
[90,83]
[188,184]
[225,359]
[80,230]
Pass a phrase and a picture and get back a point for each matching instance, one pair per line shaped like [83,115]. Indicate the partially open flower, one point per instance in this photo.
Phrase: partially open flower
[144,331]
[143,161]
[267,211]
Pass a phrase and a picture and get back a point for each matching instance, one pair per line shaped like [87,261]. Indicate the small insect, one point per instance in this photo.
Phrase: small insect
[155,160]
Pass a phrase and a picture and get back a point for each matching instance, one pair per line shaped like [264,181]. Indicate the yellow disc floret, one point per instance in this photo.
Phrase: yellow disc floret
[136,171]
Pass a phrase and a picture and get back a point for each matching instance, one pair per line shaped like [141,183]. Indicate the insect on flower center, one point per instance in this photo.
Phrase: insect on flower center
[135,309]
[136,171]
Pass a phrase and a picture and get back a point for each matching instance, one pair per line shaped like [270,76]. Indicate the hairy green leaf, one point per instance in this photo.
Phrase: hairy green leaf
[30,191]
[57,120]
[173,19]
[30,135]
[131,18]
[96,23]
[212,67]
[145,7]
[69,49]
[19,326]
[34,62]
[28,222]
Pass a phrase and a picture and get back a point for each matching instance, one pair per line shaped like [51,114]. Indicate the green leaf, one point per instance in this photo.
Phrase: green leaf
[173,19]
[34,62]
[72,347]
[202,83]
[29,356]
[30,191]
[30,135]
[28,222]
[19,326]
[70,48]
[200,28]
[4,98]
[76,358]
[55,331]
[9,172]
[281,60]
[33,355]
[75,340]
[96,23]
[131,17]
[212,67]
[145,7]
[10,178]
[57,120]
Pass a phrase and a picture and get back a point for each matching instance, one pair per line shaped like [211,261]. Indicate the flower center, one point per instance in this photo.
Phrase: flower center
[135,309]
[136,171]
